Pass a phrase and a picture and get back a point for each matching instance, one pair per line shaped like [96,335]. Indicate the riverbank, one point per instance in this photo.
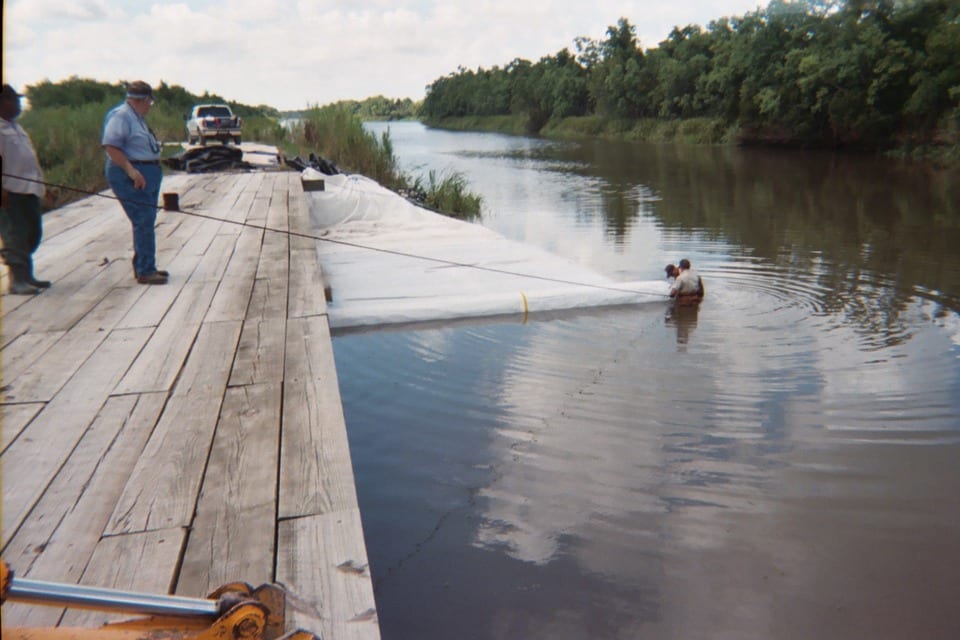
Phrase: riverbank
[943,151]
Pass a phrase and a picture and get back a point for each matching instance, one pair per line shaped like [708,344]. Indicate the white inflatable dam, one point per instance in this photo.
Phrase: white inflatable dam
[388,261]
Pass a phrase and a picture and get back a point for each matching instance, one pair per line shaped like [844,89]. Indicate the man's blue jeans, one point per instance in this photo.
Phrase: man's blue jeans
[140,205]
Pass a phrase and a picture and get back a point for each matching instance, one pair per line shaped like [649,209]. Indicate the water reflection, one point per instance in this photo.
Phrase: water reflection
[684,320]
[778,463]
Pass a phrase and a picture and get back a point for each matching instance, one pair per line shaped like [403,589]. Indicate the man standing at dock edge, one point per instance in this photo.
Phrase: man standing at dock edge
[21,225]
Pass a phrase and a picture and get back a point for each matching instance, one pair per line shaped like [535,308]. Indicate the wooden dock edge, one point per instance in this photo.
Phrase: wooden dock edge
[209,445]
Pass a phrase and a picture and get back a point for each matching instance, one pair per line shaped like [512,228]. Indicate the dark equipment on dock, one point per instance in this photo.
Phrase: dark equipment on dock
[212,158]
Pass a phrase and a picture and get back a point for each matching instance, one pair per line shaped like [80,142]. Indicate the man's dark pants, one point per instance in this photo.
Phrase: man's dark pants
[21,229]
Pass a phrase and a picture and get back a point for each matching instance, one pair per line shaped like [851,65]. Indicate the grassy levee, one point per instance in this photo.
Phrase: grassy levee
[67,140]
[942,151]
[689,131]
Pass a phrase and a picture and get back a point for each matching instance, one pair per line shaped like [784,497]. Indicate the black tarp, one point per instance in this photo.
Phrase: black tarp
[203,159]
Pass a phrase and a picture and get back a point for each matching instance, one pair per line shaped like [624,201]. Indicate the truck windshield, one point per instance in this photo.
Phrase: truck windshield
[214,112]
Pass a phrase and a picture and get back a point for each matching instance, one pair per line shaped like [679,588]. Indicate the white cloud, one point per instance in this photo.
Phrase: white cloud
[311,51]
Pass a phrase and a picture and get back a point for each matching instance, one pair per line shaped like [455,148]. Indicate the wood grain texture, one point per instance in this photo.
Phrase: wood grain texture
[67,303]
[232,538]
[306,284]
[162,358]
[163,488]
[47,375]
[142,562]
[57,544]
[24,350]
[316,475]
[190,432]
[260,352]
[322,561]
[214,261]
[14,418]
[277,211]
[31,463]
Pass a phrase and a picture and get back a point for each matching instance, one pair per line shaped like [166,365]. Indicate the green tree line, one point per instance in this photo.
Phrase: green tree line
[170,98]
[871,74]
[378,108]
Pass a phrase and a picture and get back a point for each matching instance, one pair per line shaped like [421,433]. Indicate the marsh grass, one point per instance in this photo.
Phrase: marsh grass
[67,140]
[338,135]
[449,192]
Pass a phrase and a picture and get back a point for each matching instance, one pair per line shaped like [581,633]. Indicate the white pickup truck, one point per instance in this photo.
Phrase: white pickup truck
[212,122]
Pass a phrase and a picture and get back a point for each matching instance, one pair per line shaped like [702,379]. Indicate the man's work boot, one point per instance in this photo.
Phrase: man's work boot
[152,278]
[40,284]
[165,274]
[18,282]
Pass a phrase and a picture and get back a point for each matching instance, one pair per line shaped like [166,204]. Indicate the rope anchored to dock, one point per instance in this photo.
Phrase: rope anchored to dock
[443,261]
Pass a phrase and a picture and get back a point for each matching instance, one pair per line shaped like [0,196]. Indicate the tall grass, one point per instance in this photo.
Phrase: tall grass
[67,140]
[338,135]
[448,192]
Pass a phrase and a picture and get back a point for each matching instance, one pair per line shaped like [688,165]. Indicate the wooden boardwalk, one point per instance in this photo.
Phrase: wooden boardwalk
[171,439]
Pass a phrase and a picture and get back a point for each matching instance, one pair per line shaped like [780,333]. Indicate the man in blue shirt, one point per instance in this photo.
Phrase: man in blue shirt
[133,172]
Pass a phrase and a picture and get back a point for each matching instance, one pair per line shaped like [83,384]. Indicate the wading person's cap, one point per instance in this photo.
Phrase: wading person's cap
[669,269]
[8,92]
[139,90]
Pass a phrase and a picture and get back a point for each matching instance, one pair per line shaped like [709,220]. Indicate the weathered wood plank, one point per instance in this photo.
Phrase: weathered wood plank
[306,284]
[163,488]
[261,204]
[204,191]
[274,258]
[48,373]
[25,350]
[177,227]
[152,306]
[301,227]
[14,418]
[232,538]
[260,351]
[231,300]
[30,463]
[66,219]
[277,211]
[316,475]
[67,301]
[233,295]
[323,563]
[234,189]
[158,365]
[243,262]
[202,237]
[235,202]
[58,542]
[214,262]
[142,562]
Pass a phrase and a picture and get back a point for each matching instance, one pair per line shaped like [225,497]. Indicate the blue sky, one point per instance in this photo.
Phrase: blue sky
[294,53]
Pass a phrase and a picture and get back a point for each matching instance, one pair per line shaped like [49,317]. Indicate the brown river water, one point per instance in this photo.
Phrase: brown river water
[783,462]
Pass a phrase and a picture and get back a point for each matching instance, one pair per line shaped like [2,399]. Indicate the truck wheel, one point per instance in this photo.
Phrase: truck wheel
[237,141]
[203,141]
